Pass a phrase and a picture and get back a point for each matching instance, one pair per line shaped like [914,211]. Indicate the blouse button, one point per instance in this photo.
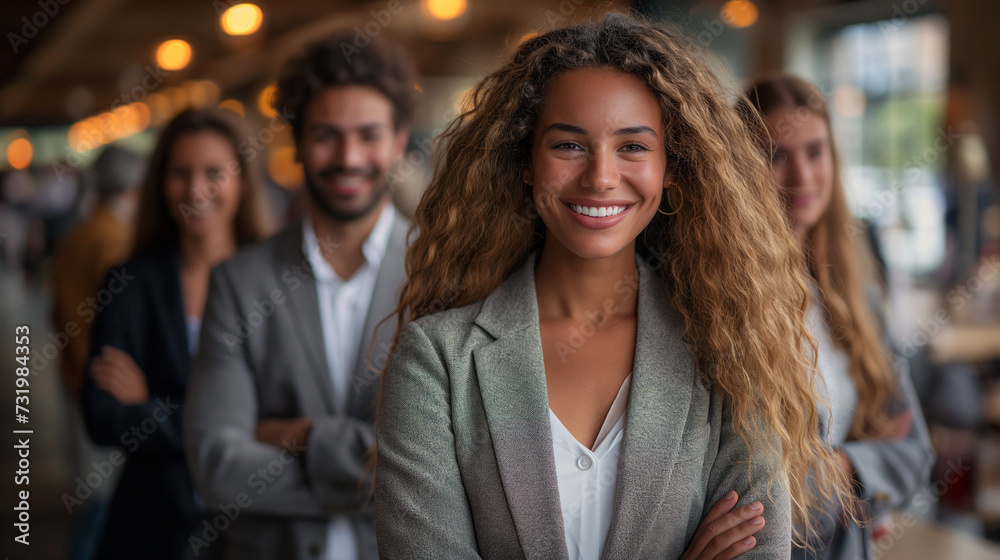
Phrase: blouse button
[584,462]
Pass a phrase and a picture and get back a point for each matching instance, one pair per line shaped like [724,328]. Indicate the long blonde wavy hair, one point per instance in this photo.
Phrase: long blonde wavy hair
[833,262]
[729,261]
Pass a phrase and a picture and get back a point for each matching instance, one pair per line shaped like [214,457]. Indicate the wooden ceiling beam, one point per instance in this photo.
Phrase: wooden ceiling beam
[75,27]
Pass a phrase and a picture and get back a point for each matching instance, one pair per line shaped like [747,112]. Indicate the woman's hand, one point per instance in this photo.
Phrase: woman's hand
[725,532]
[897,428]
[117,373]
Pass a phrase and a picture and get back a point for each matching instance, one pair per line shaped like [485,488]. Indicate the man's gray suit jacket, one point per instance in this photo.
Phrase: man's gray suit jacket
[262,356]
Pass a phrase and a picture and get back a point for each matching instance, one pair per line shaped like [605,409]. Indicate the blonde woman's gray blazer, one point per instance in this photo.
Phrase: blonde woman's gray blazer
[465,464]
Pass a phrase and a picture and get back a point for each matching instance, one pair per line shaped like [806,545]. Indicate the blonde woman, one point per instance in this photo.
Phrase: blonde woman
[873,421]
[608,322]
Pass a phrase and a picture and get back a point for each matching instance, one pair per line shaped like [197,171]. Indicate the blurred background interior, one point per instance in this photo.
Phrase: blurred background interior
[913,85]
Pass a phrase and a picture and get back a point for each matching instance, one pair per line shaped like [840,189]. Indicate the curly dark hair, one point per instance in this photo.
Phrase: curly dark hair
[338,61]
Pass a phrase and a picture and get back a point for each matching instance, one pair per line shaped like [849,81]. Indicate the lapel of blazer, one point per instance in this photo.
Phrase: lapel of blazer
[175,338]
[511,374]
[657,413]
[391,276]
[304,305]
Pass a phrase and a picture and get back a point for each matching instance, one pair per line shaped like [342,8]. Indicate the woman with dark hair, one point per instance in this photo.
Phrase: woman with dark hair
[872,418]
[201,200]
[590,367]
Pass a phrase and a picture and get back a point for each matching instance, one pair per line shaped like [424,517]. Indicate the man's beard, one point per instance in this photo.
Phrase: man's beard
[319,197]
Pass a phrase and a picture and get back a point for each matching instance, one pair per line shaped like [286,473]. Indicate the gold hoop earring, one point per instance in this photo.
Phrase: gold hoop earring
[678,207]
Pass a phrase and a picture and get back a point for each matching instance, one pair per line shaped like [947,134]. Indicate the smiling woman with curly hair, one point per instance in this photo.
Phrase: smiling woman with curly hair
[592,370]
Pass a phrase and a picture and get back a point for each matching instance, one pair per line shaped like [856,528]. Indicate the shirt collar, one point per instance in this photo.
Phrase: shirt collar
[373,248]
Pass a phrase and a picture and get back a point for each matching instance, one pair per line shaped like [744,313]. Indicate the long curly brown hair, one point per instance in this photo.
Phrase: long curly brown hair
[833,262]
[728,259]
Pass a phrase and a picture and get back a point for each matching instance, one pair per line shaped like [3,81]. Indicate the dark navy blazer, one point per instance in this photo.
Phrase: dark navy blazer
[141,312]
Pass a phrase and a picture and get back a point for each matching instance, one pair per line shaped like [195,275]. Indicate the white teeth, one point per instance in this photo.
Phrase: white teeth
[597,211]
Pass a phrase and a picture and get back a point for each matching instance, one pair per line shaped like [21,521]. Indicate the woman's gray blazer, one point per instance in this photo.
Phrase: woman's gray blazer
[889,474]
[465,462]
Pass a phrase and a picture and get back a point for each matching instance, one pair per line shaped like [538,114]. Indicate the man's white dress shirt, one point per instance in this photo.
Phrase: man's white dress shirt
[343,309]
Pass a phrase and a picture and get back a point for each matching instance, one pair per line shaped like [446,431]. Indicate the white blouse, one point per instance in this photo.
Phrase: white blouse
[587,479]
[834,385]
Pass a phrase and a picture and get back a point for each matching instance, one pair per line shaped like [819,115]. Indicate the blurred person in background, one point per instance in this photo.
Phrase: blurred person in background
[16,187]
[58,201]
[282,397]
[86,253]
[82,260]
[873,419]
[202,199]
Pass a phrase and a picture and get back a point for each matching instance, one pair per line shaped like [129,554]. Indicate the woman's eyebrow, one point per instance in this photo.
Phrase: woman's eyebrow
[573,129]
[636,130]
[563,127]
